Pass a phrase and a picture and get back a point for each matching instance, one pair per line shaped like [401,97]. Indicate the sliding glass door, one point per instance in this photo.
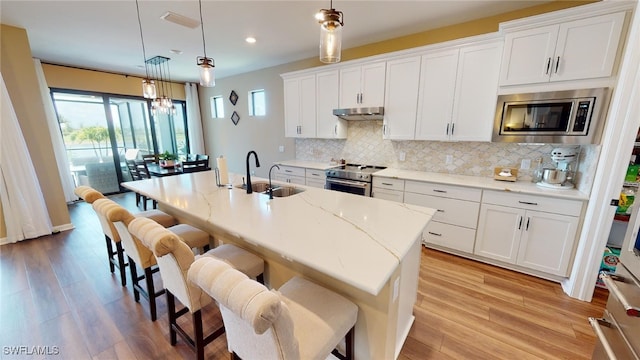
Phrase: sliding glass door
[99,128]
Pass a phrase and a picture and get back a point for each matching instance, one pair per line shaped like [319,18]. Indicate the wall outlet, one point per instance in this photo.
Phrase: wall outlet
[525,164]
[449,160]
[402,155]
[281,148]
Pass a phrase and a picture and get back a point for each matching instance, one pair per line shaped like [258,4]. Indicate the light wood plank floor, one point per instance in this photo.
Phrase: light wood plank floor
[57,291]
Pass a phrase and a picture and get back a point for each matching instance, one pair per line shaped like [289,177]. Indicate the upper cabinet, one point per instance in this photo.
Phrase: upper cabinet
[401,98]
[458,91]
[300,106]
[328,126]
[574,50]
[362,85]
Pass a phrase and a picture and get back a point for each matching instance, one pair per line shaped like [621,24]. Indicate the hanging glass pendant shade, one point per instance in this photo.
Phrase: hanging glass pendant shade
[330,35]
[207,75]
[149,89]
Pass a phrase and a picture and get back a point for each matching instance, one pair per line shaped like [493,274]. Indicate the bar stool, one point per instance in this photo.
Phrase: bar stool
[138,254]
[174,259]
[301,320]
[116,257]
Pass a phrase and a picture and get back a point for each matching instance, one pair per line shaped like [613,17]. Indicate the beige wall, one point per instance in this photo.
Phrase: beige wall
[264,135]
[20,77]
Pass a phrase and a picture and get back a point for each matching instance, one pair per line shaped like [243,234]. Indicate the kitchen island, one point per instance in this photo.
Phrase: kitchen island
[363,248]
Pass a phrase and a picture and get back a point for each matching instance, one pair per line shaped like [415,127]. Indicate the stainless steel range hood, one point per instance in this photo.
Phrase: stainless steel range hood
[369,113]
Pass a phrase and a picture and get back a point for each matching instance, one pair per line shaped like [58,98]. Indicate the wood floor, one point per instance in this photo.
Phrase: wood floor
[58,296]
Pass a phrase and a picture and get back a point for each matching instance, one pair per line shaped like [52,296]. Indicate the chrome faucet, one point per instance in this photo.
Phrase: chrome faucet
[271,187]
[249,187]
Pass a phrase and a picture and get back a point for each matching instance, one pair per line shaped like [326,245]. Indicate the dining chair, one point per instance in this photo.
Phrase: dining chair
[116,257]
[194,166]
[174,259]
[143,173]
[301,320]
[135,175]
[151,158]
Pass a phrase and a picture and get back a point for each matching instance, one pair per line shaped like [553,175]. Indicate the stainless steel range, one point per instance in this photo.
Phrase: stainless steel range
[351,178]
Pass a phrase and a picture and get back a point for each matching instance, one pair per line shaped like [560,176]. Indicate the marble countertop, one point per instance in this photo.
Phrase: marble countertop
[355,239]
[307,164]
[482,182]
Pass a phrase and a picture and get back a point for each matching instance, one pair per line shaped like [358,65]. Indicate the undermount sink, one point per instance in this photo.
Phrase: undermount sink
[285,191]
[278,191]
[257,187]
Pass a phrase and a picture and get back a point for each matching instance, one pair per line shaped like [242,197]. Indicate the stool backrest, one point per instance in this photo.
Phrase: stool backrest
[119,218]
[257,323]
[88,194]
[174,258]
[193,166]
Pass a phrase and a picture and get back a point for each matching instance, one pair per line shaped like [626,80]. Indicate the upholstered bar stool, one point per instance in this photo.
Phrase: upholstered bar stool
[116,258]
[138,254]
[301,320]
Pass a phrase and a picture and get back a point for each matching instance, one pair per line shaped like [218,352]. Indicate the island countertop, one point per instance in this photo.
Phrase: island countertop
[355,239]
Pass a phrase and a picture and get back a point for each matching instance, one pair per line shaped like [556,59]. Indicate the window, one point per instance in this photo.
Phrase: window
[217,107]
[257,105]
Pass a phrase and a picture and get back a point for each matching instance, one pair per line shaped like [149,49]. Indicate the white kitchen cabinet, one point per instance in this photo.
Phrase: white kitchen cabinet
[315,178]
[580,49]
[538,234]
[362,85]
[328,126]
[290,174]
[388,189]
[401,98]
[300,106]
[458,91]
[454,224]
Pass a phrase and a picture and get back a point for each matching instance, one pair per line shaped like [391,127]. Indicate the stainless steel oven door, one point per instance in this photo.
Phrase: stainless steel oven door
[349,186]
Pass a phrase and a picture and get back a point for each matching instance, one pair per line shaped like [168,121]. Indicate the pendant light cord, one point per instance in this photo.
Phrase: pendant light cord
[202,29]
[144,54]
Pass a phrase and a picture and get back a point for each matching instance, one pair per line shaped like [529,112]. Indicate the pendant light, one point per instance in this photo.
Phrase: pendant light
[330,34]
[162,104]
[148,85]
[206,64]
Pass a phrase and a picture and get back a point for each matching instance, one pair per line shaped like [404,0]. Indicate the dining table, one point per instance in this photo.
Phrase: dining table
[160,171]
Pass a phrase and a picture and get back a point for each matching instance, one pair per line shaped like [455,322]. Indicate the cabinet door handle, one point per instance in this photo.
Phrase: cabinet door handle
[548,66]
[288,171]
[440,191]
[335,129]
[384,129]
[527,203]
[610,281]
[557,64]
[453,129]
[447,129]
[527,228]
[520,223]
[388,184]
[434,234]
[440,210]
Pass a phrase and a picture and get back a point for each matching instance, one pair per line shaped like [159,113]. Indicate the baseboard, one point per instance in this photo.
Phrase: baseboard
[56,229]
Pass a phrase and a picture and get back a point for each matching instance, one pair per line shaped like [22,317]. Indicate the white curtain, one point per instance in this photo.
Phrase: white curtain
[194,120]
[59,150]
[25,212]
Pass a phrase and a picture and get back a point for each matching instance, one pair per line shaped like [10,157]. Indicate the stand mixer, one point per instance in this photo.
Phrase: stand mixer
[562,176]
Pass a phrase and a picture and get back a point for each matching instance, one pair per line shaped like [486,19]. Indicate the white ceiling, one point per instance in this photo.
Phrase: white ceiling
[104,35]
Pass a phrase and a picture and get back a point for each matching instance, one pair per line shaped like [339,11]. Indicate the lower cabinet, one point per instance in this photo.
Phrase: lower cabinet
[290,174]
[541,239]
[315,178]
[388,189]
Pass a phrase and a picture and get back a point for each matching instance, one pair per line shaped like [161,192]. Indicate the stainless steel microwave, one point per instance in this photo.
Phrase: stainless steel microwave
[567,117]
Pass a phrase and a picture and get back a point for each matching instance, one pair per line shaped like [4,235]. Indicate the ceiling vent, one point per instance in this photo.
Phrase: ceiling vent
[180,20]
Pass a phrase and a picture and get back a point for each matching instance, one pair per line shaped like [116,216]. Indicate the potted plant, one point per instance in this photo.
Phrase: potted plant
[167,159]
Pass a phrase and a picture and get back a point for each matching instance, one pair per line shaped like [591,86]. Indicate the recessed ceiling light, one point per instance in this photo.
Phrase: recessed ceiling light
[250,40]
[180,20]
[177,52]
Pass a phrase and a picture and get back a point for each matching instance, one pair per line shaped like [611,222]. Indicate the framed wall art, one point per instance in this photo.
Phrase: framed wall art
[233,97]
[235,118]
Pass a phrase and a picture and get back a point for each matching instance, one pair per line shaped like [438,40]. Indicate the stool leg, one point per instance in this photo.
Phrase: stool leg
[121,264]
[110,253]
[171,304]
[198,335]
[148,275]
[134,278]
[260,278]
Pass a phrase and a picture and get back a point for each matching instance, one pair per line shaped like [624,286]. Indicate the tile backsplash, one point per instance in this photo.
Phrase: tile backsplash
[364,145]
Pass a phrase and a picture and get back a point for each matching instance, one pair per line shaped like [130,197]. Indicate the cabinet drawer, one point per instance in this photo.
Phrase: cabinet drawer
[315,174]
[532,202]
[388,183]
[317,183]
[450,211]
[386,194]
[450,236]
[448,191]
[292,170]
